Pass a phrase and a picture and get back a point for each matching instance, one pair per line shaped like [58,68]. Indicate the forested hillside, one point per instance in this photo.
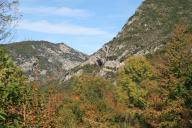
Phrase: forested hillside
[141,79]
[149,91]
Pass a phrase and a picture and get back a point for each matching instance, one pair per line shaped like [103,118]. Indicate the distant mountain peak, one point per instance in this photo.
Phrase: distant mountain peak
[42,60]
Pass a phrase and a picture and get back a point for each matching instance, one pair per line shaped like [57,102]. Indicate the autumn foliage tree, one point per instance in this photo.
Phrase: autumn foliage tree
[172,104]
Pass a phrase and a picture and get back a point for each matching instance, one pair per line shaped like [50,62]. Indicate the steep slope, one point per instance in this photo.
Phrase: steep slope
[145,32]
[43,60]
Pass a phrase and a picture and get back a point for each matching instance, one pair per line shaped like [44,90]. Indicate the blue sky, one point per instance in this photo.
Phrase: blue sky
[82,24]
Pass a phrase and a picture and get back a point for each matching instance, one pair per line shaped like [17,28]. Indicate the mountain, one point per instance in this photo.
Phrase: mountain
[145,32]
[42,60]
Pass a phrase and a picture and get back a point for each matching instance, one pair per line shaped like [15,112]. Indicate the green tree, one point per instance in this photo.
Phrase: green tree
[12,85]
[89,88]
[130,77]
[137,68]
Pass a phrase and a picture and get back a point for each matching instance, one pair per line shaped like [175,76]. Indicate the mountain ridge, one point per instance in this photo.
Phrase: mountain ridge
[145,32]
[42,60]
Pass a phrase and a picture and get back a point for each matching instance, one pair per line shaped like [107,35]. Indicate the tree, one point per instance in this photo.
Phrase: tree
[90,89]
[131,96]
[137,68]
[12,83]
[8,18]
[178,59]
[170,102]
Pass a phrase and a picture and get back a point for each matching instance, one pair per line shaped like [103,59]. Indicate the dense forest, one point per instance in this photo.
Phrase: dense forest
[148,91]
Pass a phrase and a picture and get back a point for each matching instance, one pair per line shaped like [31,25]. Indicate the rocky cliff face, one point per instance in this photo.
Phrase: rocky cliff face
[42,60]
[145,32]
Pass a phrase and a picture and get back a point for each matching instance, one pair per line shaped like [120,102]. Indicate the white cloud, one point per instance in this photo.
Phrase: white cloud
[46,27]
[54,11]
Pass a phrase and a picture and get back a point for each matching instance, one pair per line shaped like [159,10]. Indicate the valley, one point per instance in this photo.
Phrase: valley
[142,78]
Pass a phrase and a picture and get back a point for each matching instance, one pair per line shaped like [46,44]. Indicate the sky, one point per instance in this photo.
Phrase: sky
[85,25]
